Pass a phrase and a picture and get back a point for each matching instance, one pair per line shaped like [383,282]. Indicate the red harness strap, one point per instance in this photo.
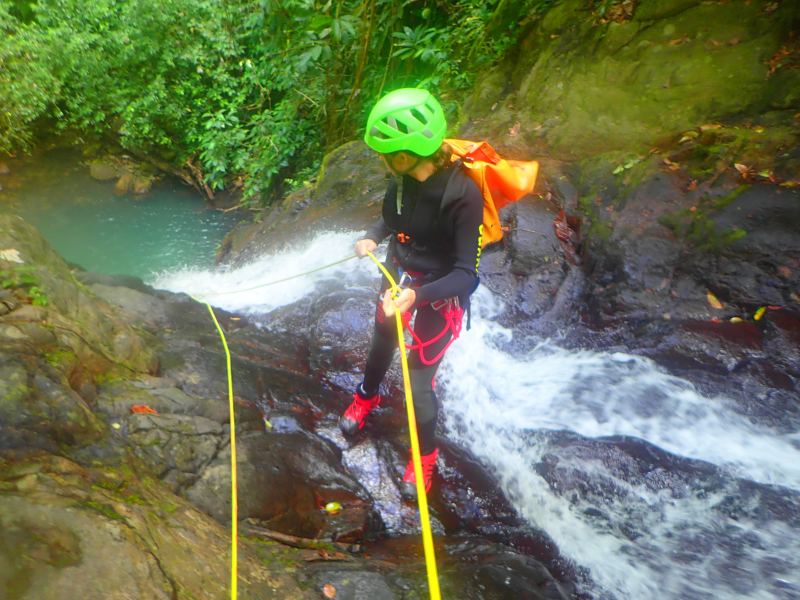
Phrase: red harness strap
[448,308]
[454,318]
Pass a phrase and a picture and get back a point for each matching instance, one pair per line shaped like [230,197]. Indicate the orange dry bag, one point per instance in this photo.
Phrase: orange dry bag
[500,181]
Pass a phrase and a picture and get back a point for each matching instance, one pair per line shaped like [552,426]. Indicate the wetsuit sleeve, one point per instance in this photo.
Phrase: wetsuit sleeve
[378,232]
[467,215]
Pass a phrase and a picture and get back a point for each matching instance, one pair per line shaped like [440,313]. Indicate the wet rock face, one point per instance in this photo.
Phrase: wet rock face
[652,262]
[287,479]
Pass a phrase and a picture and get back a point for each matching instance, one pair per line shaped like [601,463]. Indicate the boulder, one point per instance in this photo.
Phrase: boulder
[102,170]
[125,183]
[284,479]
[142,185]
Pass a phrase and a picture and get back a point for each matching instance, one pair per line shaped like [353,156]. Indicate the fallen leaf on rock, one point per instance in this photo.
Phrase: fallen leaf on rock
[743,169]
[790,184]
[668,161]
[11,255]
[674,167]
[795,297]
[710,126]
[143,409]
[329,591]
[494,105]
[737,320]
[712,300]
[735,41]
[692,186]
[771,7]
[515,129]
[323,553]
[694,208]
[678,41]
[760,313]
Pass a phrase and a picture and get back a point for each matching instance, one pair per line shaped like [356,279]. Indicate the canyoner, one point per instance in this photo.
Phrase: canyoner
[439,212]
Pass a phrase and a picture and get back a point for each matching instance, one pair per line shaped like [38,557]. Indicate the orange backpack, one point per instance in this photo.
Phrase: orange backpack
[500,181]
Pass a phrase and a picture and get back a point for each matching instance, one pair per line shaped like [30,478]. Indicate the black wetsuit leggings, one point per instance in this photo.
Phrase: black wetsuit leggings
[429,323]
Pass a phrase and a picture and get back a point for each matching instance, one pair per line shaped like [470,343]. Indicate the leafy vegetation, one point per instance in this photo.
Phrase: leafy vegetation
[23,278]
[247,93]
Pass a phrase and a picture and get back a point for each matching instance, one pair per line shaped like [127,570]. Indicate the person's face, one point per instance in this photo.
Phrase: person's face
[399,163]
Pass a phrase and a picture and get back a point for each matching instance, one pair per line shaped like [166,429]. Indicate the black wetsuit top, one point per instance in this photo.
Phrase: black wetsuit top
[443,217]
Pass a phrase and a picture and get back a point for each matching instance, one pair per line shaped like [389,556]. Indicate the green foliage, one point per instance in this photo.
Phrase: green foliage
[250,89]
[22,277]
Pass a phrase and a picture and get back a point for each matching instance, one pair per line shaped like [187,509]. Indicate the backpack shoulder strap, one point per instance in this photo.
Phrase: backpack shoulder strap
[456,186]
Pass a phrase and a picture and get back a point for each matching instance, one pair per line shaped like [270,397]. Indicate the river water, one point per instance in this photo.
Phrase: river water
[723,525]
[92,227]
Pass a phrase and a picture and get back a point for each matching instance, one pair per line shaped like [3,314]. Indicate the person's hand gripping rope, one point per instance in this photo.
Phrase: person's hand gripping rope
[404,301]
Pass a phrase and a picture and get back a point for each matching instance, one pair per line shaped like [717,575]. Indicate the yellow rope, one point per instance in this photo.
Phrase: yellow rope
[234,499]
[427,538]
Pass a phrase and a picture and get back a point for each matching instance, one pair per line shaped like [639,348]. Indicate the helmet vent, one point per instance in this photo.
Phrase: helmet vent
[419,116]
[395,124]
[427,133]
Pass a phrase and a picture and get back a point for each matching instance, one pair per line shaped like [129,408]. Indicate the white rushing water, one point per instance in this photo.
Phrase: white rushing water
[639,544]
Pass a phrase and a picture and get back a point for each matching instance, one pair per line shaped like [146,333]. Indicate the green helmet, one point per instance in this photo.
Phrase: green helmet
[406,119]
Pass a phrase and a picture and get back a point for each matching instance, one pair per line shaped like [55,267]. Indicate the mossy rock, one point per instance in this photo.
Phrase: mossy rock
[347,195]
[102,170]
[71,317]
[580,87]
[71,532]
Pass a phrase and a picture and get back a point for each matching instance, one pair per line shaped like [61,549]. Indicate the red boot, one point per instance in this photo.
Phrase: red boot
[354,416]
[408,488]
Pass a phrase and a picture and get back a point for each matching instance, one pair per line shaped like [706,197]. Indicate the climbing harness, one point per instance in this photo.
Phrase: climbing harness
[453,314]
[449,308]
[424,516]
[427,537]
